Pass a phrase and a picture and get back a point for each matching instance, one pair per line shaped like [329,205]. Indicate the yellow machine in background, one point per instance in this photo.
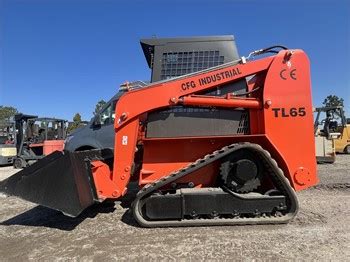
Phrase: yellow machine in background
[326,128]
[331,133]
[342,143]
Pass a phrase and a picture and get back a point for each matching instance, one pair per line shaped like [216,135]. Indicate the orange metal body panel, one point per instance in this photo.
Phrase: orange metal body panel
[280,121]
[53,145]
[50,146]
[287,86]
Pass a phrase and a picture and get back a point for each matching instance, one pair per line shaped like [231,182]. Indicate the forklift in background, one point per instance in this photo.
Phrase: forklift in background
[342,143]
[7,142]
[37,137]
[329,133]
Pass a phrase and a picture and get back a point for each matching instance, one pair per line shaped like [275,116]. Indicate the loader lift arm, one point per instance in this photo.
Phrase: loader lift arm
[171,93]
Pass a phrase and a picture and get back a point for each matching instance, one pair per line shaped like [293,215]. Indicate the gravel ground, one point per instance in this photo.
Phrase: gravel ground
[320,231]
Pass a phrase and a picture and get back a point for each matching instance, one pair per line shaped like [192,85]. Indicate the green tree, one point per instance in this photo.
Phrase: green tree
[333,100]
[7,112]
[99,106]
[75,124]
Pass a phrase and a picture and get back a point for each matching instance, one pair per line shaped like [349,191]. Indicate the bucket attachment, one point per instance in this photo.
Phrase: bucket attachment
[62,181]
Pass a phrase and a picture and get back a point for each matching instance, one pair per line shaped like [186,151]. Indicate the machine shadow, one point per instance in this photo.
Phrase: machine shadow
[41,216]
[128,219]
[126,202]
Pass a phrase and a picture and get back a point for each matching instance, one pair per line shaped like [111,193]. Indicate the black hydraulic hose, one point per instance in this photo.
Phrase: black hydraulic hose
[249,92]
[267,50]
[276,46]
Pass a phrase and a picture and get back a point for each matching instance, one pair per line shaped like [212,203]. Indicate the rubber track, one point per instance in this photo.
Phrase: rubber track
[275,173]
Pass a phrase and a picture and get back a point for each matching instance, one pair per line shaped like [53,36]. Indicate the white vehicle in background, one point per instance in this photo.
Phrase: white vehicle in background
[99,131]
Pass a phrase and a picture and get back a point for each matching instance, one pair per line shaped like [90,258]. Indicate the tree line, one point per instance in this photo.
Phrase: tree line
[8,112]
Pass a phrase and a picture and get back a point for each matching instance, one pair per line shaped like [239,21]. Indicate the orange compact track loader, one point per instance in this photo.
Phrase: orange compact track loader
[202,154]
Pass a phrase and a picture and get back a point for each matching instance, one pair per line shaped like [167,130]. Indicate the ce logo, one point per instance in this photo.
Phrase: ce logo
[292,74]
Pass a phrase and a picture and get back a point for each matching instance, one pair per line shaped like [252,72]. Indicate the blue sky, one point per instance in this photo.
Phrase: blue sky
[59,57]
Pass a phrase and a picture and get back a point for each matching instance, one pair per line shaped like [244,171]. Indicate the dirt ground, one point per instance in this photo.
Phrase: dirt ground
[320,231]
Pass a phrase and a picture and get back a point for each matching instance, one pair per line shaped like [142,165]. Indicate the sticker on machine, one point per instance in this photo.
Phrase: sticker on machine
[125,140]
